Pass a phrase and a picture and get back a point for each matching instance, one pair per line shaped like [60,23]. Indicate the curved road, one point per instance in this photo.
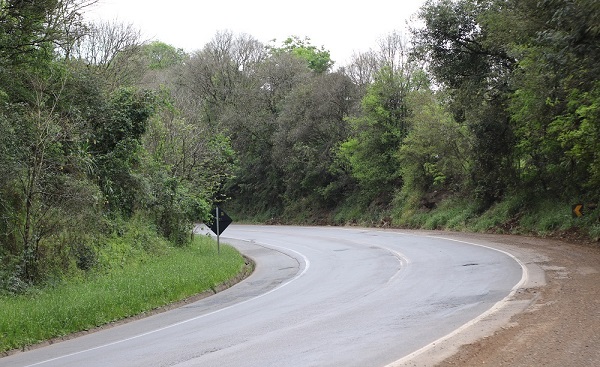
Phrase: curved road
[322,296]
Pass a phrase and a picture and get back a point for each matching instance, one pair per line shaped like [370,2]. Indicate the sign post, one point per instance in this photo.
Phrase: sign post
[220,222]
[218,233]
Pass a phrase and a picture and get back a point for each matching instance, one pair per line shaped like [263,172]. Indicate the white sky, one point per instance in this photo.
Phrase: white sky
[342,27]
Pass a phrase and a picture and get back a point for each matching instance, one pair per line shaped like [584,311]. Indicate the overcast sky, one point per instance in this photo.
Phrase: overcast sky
[342,27]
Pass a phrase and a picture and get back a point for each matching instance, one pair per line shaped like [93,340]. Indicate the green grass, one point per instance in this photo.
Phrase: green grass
[51,312]
[515,215]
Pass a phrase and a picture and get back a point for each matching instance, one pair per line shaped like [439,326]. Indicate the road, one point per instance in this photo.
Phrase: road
[321,296]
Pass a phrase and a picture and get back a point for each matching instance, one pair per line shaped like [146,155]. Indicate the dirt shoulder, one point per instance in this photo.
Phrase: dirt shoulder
[552,320]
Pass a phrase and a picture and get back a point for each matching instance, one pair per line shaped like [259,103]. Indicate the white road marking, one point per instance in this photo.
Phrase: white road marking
[306,266]
[495,308]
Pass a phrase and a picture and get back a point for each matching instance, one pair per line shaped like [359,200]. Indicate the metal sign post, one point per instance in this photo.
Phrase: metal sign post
[218,232]
[219,224]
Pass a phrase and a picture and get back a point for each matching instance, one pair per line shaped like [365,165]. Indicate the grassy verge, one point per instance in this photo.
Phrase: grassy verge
[514,215]
[46,313]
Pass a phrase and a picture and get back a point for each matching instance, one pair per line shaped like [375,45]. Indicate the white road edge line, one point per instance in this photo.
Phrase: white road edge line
[495,308]
[274,247]
[402,259]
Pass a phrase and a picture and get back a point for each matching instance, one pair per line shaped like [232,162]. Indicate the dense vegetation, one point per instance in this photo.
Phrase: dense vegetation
[102,163]
[111,147]
[491,109]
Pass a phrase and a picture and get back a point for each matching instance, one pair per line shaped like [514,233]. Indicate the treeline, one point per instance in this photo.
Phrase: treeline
[111,145]
[487,101]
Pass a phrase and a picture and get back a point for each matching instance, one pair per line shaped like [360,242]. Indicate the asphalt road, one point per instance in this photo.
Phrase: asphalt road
[319,297]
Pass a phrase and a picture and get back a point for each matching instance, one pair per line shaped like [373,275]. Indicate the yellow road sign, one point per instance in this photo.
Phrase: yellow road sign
[577,210]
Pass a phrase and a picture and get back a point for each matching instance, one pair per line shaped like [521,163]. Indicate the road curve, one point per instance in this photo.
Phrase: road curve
[320,296]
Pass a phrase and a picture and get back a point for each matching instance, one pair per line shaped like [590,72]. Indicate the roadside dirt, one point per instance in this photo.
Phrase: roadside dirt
[559,324]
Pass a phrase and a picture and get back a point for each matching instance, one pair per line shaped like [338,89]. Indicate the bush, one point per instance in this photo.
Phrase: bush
[133,240]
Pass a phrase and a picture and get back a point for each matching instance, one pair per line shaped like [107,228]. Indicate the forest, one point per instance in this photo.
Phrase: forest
[484,116]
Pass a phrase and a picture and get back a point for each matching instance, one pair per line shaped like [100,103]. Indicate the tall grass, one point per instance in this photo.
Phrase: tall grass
[79,305]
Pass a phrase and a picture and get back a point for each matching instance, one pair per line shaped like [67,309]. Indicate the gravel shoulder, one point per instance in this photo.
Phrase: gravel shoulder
[552,320]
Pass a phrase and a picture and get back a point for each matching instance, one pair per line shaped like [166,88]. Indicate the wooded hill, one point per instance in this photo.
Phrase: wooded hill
[109,144]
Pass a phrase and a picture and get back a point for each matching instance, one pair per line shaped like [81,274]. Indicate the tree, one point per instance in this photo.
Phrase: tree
[44,164]
[362,68]
[30,35]
[32,28]
[377,134]
[555,103]
[162,56]
[309,129]
[435,156]
[214,76]
[221,95]
[47,192]
[113,50]
[461,54]
[252,123]
[117,147]
[317,59]
[393,52]
[186,167]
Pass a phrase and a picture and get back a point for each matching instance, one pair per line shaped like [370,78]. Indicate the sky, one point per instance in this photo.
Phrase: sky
[342,27]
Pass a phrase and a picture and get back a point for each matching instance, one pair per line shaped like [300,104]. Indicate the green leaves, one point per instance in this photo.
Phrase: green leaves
[435,156]
[578,131]
[126,117]
[118,149]
[378,134]
[513,107]
[318,59]
[161,56]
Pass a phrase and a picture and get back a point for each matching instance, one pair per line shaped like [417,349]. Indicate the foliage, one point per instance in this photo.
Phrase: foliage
[436,153]
[117,147]
[578,132]
[464,57]
[111,50]
[318,59]
[162,56]
[309,129]
[555,106]
[514,114]
[76,165]
[372,150]
[31,30]
[252,125]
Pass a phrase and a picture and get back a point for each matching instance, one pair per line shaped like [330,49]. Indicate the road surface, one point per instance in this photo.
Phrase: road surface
[320,296]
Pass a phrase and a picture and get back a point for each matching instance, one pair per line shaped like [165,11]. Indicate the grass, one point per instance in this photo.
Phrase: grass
[515,215]
[74,306]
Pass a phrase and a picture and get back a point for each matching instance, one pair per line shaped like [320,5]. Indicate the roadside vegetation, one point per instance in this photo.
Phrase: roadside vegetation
[123,290]
[484,117]
[487,118]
